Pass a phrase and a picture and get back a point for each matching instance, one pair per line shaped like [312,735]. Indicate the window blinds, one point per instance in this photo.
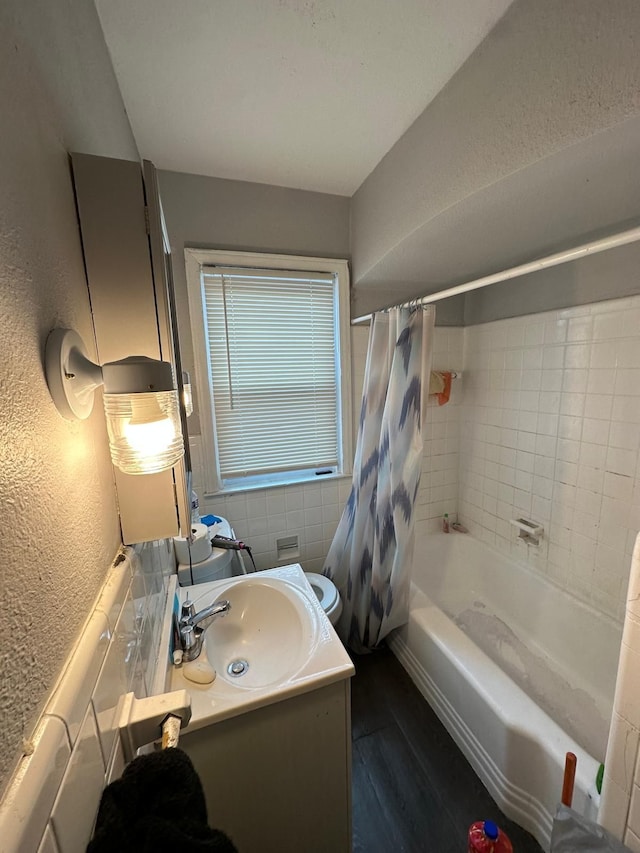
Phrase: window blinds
[272,350]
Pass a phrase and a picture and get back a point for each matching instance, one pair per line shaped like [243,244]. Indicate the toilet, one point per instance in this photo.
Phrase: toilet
[327,594]
[225,564]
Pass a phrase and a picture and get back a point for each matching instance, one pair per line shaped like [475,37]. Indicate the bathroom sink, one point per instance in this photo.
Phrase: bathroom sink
[274,643]
[266,637]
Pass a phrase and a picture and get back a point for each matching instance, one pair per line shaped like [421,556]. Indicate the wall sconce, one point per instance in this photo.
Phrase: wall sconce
[187,393]
[140,402]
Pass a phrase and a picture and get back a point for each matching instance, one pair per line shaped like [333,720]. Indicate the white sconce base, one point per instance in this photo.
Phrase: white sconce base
[71,376]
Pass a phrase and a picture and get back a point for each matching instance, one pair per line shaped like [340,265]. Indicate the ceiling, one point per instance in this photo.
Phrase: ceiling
[308,94]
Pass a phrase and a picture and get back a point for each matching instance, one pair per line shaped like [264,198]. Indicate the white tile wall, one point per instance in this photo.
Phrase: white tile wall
[74,810]
[51,802]
[438,491]
[27,804]
[551,431]
[310,511]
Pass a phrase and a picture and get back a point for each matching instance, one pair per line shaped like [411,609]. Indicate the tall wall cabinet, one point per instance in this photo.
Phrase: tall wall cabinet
[127,260]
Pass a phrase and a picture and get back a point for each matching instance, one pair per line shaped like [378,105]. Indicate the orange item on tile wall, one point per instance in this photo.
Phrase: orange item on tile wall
[443,396]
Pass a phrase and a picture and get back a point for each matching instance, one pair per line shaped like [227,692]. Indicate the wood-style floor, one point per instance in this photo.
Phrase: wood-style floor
[413,790]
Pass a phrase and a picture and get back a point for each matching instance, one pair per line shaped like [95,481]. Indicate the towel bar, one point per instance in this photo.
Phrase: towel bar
[142,721]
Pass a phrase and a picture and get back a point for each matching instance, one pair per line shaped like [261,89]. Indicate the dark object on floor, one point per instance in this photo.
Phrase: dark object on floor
[157,806]
[413,790]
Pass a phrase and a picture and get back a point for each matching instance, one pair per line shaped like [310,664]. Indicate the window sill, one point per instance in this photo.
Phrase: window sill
[293,481]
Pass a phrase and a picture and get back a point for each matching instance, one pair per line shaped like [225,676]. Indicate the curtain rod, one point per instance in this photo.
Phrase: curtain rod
[630,236]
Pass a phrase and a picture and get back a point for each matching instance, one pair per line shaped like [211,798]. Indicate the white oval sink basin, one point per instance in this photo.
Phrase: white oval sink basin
[277,627]
[267,635]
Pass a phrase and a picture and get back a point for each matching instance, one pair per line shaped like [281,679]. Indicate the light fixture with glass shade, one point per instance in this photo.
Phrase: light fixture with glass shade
[140,402]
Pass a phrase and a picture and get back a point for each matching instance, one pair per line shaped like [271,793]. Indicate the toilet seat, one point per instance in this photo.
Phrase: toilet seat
[324,589]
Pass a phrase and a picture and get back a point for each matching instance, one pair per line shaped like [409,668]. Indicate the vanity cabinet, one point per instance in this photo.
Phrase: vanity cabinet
[278,778]
[127,260]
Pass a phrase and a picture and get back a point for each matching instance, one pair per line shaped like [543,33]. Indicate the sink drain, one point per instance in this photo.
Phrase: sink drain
[237,668]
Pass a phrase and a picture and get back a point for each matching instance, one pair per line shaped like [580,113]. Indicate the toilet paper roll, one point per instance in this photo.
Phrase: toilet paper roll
[195,550]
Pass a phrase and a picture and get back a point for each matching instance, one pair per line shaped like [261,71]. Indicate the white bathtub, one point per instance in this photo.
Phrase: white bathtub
[518,671]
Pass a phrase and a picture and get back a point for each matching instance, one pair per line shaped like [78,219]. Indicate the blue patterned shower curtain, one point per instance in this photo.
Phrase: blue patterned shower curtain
[370,557]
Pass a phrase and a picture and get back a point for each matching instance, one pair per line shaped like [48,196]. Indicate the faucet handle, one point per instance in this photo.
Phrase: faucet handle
[188,638]
[188,610]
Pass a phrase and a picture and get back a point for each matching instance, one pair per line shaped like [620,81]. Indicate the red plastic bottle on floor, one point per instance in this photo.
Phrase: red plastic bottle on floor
[486,837]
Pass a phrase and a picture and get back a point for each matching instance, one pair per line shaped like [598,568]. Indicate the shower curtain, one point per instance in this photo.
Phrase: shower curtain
[370,557]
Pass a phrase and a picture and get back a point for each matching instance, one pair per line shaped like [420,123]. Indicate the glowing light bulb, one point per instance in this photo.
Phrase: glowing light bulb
[144,431]
[151,437]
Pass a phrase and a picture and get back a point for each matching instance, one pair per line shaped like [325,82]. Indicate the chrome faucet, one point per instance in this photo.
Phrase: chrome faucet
[193,625]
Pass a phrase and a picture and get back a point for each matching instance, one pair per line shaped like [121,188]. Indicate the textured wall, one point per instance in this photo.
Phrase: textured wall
[59,520]
[519,131]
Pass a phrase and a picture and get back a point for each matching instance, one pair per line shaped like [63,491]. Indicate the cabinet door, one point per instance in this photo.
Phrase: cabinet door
[130,302]
[297,754]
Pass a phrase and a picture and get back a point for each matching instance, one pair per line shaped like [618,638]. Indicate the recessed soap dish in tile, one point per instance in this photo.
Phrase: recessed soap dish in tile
[530,531]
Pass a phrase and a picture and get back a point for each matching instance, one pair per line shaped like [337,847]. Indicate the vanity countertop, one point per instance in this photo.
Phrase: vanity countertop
[278,627]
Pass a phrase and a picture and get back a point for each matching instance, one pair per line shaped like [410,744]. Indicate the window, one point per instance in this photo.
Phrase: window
[270,339]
